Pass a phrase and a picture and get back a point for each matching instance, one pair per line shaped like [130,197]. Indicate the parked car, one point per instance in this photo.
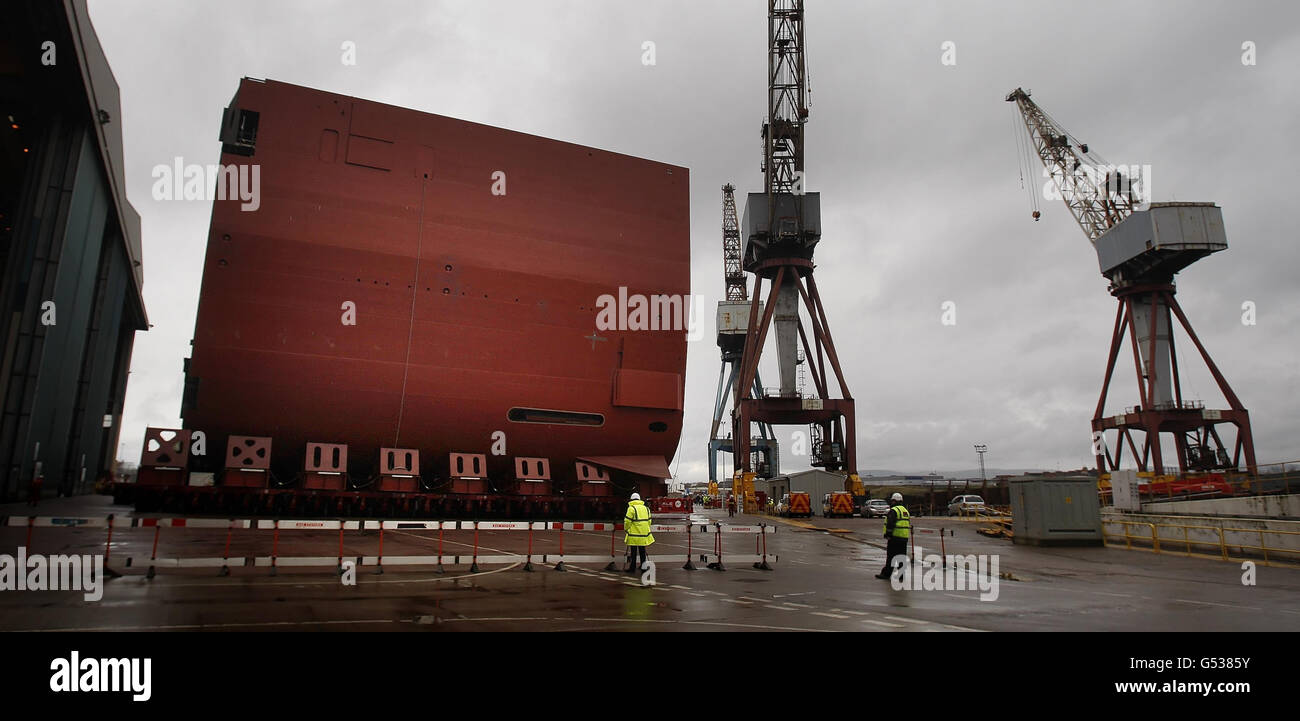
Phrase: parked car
[965,505]
[875,508]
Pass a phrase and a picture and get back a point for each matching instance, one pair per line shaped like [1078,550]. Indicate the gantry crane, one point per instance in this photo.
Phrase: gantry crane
[732,327]
[1139,250]
[782,228]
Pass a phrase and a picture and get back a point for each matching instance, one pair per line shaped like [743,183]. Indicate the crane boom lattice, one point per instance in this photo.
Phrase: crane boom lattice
[1098,196]
[787,97]
[733,274]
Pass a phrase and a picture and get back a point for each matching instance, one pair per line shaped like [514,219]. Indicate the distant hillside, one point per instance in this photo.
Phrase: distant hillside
[973,473]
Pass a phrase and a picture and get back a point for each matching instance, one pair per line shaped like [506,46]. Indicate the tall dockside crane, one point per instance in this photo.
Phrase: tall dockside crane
[733,322]
[1139,251]
[782,227]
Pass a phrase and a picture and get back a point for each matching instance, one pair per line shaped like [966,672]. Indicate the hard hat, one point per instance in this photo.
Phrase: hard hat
[636,496]
[897,498]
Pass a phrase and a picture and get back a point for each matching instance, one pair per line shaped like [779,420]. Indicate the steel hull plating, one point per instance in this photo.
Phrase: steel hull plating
[407,279]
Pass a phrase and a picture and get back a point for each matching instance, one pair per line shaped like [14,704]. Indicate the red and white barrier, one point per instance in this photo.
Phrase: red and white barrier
[55,522]
[497,525]
[275,561]
[300,525]
[189,523]
[555,526]
[761,528]
[408,525]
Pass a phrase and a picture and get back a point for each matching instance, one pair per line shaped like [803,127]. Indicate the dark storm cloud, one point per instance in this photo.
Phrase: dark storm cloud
[916,163]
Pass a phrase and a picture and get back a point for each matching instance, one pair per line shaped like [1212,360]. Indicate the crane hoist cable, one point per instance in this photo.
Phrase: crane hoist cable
[1024,159]
[1015,138]
[807,76]
[1035,188]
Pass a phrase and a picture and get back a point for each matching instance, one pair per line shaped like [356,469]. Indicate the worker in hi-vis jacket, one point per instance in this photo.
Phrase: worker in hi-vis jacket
[636,524]
[898,530]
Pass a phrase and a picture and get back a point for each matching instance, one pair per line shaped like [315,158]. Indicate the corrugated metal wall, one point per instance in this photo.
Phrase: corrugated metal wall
[70,298]
[59,379]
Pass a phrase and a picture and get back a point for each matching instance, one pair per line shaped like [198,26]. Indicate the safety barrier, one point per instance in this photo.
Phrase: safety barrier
[915,537]
[1213,537]
[379,560]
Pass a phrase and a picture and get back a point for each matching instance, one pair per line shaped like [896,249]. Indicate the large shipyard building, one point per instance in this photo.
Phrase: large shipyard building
[70,248]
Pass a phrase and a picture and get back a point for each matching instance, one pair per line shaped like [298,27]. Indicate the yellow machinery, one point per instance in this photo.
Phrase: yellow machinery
[742,487]
[853,484]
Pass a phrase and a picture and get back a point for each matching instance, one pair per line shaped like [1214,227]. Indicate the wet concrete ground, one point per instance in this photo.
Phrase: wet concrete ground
[823,581]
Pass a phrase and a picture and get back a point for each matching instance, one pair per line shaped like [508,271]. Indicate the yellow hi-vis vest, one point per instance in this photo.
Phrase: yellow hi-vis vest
[637,525]
[902,522]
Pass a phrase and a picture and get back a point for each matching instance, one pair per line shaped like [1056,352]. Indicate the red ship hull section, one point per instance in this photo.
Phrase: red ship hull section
[468,304]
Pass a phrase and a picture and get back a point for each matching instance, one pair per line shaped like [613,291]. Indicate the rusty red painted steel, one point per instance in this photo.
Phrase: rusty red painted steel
[467,303]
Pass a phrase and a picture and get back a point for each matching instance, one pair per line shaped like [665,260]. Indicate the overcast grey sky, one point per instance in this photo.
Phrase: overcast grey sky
[915,162]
